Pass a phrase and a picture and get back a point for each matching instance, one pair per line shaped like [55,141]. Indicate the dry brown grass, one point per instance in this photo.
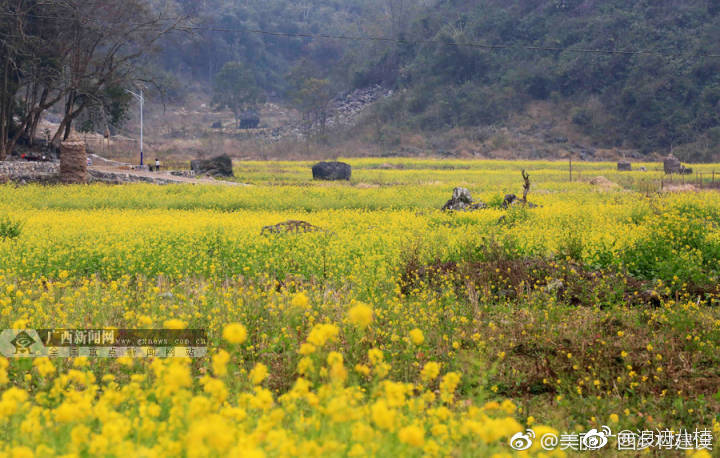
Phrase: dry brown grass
[182,133]
[680,188]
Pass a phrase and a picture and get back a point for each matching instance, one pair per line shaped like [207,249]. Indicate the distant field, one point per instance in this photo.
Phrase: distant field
[398,329]
[487,174]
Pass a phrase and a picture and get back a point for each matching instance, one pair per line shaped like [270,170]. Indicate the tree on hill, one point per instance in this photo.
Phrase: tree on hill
[310,95]
[236,88]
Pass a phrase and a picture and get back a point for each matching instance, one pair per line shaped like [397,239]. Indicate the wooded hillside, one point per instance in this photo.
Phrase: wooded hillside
[655,85]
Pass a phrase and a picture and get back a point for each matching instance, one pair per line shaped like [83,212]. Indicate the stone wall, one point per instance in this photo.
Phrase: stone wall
[98,176]
[27,170]
[48,173]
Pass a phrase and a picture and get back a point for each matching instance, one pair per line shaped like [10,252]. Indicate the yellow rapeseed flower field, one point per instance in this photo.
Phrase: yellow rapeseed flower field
[397,330]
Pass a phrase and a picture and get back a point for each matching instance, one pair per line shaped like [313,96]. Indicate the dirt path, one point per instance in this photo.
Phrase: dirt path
[124,174]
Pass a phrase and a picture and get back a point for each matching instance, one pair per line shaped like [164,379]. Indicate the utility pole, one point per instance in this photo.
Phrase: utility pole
[142,103]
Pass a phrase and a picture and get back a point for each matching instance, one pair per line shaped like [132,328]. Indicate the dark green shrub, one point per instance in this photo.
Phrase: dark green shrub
[571,246]
[676,250]
[9,228]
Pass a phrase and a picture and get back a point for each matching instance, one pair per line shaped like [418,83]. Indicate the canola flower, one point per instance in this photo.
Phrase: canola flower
[258,373]
[235,333]
[325,344]
[416,336]
[361,315]
[175,324]
[430,371]
[176,414]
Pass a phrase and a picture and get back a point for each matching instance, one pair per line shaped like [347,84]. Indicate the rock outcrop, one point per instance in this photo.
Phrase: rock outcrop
[462,201]
[120,177]
[345,110]
[217,166]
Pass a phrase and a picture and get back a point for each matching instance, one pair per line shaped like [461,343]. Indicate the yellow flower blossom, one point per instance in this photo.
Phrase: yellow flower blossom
[412,435]
[235,333]
[430,371]
[258,374]
[416,336]
[361,315]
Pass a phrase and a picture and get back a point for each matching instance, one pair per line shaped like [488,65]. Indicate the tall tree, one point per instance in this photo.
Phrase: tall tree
[30,73]
[236,88]
[108,41]
[311,96]
[76,51]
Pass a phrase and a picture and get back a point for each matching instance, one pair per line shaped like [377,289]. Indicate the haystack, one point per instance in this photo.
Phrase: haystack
[603,183]
[73,161]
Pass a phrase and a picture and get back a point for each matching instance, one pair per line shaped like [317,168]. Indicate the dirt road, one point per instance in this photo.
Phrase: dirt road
[116,173]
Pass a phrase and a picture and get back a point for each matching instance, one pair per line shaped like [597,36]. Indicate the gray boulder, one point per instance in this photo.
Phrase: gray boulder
[512,200]
[671,164]
[624,166]
[249,120]
[462,195]
[509,200]
[217,166]
[331,171]
[462,201]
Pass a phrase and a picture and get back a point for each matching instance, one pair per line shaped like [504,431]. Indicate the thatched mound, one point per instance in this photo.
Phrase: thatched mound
[73,161]
[603,183]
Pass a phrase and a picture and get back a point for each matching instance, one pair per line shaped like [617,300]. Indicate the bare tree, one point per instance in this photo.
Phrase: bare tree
[8,84]
[108,40]
[31,61]
[79,52]
[237,89]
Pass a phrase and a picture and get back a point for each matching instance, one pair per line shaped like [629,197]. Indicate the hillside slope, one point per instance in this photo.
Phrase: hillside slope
[664,95]
[656,100]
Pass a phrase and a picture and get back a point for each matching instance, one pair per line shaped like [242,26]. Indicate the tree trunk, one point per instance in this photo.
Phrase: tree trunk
[5,113]
[68,126]
[323,123]
[31,129]
[56,138]
[65,125]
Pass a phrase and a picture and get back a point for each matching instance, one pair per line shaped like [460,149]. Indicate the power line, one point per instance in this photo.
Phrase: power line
[490,47]
[446,43]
